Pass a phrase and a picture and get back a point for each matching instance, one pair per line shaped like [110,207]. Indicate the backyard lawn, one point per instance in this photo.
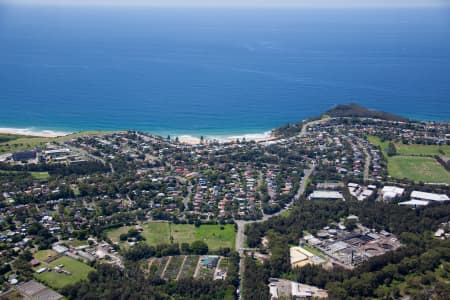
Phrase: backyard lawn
[416,168]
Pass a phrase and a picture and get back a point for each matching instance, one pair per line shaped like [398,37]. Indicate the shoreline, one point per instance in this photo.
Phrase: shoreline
[257,137]
[32,132]
[183,138]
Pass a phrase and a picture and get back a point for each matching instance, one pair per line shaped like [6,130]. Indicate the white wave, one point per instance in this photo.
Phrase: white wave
[251,136]
[33,132]
[189,139]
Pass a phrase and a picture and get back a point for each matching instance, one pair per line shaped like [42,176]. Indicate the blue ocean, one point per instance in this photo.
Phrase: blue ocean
[216,71]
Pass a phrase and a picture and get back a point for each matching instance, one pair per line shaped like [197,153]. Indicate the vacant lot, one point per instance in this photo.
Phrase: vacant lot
[43,255]
[416,168]
[114,234]
[78,270]
[159,233]
[156,233]
[215,237]
[374,140]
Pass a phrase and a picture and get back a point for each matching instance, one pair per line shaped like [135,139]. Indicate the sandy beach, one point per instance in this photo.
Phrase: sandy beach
[31,132]
[188,139]
[184,139]
[257,137]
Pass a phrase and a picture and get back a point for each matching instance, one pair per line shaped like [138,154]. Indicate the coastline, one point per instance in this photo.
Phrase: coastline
[33,132]
[257,137]
[183,138]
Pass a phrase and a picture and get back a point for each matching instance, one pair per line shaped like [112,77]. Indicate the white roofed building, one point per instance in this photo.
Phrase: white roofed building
[391,192]
[326,195]
[422,199]
[60,249]
[417,195]
[414,203]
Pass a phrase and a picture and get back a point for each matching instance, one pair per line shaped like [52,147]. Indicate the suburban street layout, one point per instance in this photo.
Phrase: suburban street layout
[248,218]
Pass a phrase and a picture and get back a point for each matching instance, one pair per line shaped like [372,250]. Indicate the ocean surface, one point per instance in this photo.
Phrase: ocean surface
[216,72]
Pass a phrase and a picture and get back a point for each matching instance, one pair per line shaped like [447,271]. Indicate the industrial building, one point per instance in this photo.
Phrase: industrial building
[24,155]
[35,290]
[326,195]
[301,257]
[419,199]
[391,192]
[286,289]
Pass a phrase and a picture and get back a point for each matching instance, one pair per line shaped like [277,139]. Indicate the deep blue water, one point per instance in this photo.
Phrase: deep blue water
[215,71]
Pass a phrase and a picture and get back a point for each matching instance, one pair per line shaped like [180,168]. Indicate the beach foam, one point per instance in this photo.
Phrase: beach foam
[189,139]
[257,137]
[33,132]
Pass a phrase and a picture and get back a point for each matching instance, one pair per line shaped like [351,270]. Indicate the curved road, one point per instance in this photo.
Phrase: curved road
[366,162]
[305,127]
[240,236]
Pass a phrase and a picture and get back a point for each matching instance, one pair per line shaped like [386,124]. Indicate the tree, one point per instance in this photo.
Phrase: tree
[185,248]
[350,224]
[391,150]
[199,247]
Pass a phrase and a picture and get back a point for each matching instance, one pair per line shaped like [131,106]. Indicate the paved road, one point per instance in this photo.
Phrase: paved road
[366,162]
[305,127]
[304,181]
[240,236]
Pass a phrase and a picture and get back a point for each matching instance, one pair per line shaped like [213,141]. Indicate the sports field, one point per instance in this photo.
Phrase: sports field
[415,162]
[78,270]
[159,233]
[416,168]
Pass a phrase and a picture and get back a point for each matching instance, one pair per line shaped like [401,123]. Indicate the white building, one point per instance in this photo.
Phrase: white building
[302,291]
[417,195]
[391,192]
[414,203]
[323,195]
[439,233]
[422,199]
[286,289]
[60,249]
